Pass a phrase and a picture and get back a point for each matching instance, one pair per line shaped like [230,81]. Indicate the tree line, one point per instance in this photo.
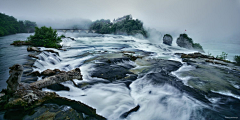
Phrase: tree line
[127,26]
[10,25]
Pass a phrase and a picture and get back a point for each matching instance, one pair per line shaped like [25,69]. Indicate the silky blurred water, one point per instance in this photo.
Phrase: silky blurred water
[112,99]
[10,55]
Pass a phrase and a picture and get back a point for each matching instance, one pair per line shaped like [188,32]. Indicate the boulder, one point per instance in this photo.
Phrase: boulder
[61,77]
[167,39]
[184,41]
[48,72]
[34,56]
[33,49]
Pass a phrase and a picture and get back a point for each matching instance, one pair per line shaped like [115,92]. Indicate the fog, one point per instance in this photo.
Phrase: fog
[203,20]
[66,23]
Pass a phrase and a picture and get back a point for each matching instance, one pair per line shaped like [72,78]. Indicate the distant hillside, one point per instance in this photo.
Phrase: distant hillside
[124,25]
[10,25]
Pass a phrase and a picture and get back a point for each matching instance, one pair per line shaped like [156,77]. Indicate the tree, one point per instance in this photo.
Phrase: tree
[125,26]
[10,25]
[45,37]
[29,25]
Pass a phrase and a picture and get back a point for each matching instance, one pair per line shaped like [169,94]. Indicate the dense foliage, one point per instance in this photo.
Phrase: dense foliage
[167,35]
[194,45]
[10,25]
[126,25]
[45,37]
[237,59]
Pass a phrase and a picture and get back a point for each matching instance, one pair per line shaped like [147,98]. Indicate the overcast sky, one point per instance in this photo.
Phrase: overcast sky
[204,20]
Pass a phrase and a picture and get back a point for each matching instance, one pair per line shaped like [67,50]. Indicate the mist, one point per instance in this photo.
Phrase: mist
[66,23]
[203,20]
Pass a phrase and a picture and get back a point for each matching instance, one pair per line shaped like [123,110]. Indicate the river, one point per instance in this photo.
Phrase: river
[114,83]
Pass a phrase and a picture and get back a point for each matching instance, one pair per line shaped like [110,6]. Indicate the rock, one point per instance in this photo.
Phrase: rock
[167,39]
[124,115]
[62,77]
[58,87]
[62,49]
[71,38]
[194,55]
[52,51]
[34,56]
[110,71]
[33,49]
[55,112]
[26,97]
[36,73]
[13,81]
[48,72]
[186,42]
[17,43]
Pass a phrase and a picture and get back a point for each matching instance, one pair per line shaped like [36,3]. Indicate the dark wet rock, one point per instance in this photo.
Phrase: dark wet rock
[61,77]
[167,39]
[133,57]
[194,55]
[124,115]
[110,70]
[58,87]
[34,56]
[13,81]
[71,38]
[52,51]
[48,72]
[55,112]
[18,43]
[207,58]
[165,65]
[188,60]
[33,49]
[184,41]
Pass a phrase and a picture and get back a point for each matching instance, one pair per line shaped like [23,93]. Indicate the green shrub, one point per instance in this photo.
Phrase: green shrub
[223,56]
[45,37]
[197,46]
[237,59]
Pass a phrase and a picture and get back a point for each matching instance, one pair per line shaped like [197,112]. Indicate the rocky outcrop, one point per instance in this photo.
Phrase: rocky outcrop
[26,97]
[167,39]
[184,41]
[33,49]
[48,72]
[13,81]
[198,57]
[62,77]
[17,43]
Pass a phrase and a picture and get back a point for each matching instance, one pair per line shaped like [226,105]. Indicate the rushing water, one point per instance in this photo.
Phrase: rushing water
[118,92]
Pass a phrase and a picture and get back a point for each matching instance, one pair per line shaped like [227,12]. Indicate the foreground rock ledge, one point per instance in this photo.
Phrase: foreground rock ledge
[26,97]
